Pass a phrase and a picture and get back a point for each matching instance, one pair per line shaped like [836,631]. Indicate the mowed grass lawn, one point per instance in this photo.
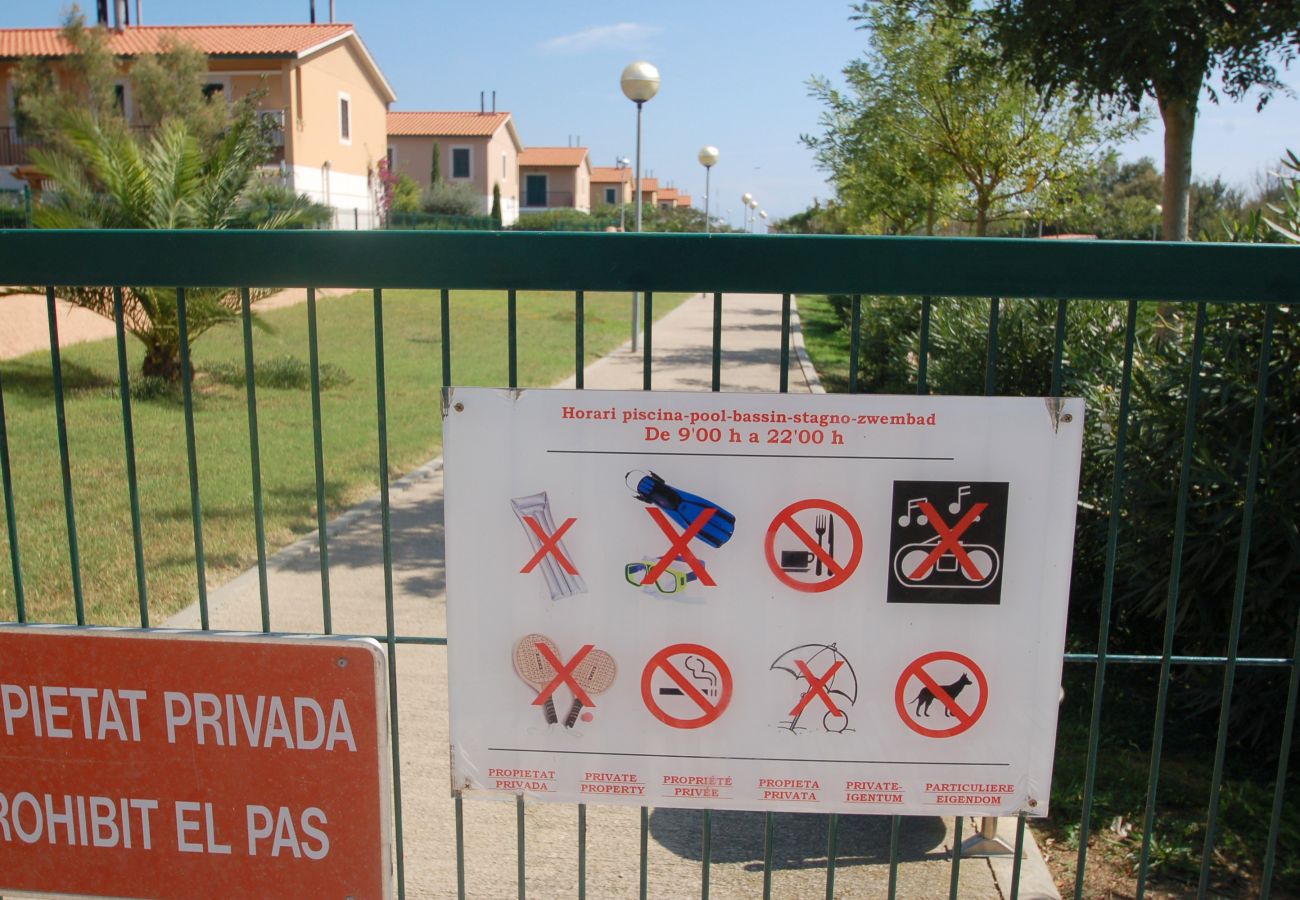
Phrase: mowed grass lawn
[413,373]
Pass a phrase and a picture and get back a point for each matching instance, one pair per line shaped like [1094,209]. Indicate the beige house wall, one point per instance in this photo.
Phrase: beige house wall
[493,160]
[575,181]
[319,81]
[598,189]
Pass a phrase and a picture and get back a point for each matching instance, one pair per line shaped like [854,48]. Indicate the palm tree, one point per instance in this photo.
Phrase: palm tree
[104,176]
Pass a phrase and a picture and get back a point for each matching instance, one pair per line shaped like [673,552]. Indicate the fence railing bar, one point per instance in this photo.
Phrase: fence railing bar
[1279,784]
[717,341]
[768,821]
[1058,349]
[706,850]
[192,457]
[923,350]
[1239,594]
[832,851]
[991,357]
[1171,596]
[955,873]
[579,350]
[255,458]
[1107,595]
[512,335]
[855,341]
[11,516]
[460,846]
[1274,662]
[390,625]
[582,851]
[318,456]
[128,441]
[785,344]
[519,844]
[65,461]
[895,826]
[445,314]
[647,326]
[1018,858]
[645,810]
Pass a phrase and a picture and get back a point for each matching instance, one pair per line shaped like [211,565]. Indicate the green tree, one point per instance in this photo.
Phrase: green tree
[1123,51]
[931,129]
[435,167]
[496,205]
[406,195]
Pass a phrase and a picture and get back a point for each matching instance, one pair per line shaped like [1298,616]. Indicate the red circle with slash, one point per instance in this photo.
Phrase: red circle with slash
[785,519]
[950,704]
[709,709]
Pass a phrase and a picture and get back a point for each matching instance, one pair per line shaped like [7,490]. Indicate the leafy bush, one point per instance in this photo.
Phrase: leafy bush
[452,199]
[267,198]
[406,195]
[564,220]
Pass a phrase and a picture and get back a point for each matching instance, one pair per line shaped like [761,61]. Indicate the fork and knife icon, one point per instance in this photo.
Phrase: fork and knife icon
[802,560]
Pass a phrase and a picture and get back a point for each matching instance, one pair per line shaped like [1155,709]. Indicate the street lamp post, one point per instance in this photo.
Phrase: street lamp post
[753,214]
[763,214]
[745,200]
[1160,210]
[640,82]
[708,158]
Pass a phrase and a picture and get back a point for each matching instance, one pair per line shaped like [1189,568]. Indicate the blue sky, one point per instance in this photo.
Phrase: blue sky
[734,75]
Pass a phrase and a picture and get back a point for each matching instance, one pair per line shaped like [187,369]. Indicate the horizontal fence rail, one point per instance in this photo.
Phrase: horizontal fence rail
[1198,278]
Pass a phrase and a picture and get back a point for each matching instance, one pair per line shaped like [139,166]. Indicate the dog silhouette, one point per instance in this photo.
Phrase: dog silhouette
[926,697]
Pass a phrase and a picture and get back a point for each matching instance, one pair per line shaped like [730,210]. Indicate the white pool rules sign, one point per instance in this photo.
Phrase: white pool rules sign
[755,601]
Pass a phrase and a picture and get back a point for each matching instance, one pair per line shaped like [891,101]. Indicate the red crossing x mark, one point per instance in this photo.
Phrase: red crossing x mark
[817,688]
[948,541]
[563,673]
[680,548]
[550,544]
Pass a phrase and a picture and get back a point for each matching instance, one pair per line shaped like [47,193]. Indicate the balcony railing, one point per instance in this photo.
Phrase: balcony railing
[548,200]
[16,149]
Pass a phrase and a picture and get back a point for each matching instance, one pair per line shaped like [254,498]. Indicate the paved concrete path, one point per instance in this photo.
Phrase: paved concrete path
[682,357]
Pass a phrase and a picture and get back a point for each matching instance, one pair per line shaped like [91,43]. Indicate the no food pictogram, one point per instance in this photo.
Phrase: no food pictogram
[686,685]
[943,677]
[801,545]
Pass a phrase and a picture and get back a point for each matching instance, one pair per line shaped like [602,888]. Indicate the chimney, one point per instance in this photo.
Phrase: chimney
[482,103]
[331,12]
[494,102]
[101,13]
[138,21]
[313,12]
[119,14]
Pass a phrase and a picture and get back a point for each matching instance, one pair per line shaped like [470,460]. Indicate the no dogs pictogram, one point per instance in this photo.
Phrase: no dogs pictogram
[810,561]
[686,685]
[943,676]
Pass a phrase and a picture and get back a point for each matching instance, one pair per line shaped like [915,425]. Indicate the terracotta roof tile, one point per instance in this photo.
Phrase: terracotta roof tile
[668,194]
[684,200]
[649,184]
[612,174]
[451,124]
[552,156]
[214,40]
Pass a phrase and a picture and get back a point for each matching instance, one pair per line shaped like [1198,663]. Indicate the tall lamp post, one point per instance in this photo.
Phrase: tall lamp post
[745,200]
[753,215]
[763,214]
[708,158]
[640,82]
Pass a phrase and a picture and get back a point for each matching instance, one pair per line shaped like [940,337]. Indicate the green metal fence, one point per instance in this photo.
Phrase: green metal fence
[1187,278]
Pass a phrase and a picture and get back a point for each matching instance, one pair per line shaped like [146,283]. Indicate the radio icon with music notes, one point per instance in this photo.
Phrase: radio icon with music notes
[947,542]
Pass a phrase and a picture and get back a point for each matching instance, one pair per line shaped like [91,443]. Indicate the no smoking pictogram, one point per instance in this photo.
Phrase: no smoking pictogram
[937,689]
[814,565]
[686,685]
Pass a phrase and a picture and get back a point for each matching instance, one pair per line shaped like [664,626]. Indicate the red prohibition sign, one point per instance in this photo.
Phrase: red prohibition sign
[952,705]
[709,709]
[839,573]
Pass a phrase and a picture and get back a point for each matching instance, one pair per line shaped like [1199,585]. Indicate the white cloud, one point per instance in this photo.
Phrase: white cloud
[623,36]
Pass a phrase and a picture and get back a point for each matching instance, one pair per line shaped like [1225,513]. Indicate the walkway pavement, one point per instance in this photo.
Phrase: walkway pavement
[682,360]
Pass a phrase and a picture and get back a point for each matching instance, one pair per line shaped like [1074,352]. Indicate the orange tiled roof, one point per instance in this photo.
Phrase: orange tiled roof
[610,173]
[214,40]
[668,194]
[649,184]
[437,124]
[552,156]
[684,200]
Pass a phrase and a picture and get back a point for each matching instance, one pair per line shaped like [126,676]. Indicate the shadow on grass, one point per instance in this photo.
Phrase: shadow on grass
[798,839]
[34,378]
